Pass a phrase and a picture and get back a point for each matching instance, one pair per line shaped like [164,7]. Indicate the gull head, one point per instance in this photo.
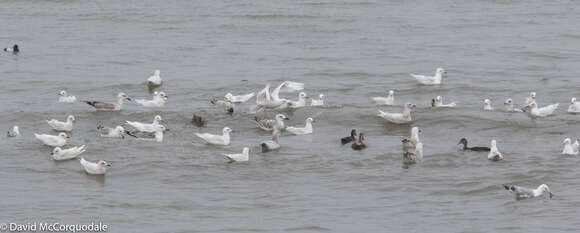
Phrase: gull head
[123,96]
[533,95]
[440,71]
[415,131]
[487,102]
[157,72]
[508,102]
[120,129]
[439,99]
[545,188]
[56,150]
[391,92]
[493,144]
[246,150]
[532,105]
[157,119]
[103,164]
[71,118]
[62,93]
[302,95]
[162,95]
[226,130]
[63,135]
[281,117]
[573,100]
[229,96]
[567,141]
[309,119]
[409,105]
[321,96]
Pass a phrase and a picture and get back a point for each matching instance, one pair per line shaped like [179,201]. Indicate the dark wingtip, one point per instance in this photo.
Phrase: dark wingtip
[506,187]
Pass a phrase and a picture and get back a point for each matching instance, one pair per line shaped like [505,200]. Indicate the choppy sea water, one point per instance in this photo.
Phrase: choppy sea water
[348,50]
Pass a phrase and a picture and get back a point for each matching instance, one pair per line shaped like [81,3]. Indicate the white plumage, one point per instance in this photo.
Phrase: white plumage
[243,157]
[389,100]
[494,153]
[158,101]
[238,98]
[52,140]
[64,98]
[398,118]
[223,139]
[307,129]
[99,168]
[317,102]
[430,80]
[62,126]
[543,111]
[144,126]
[66,154]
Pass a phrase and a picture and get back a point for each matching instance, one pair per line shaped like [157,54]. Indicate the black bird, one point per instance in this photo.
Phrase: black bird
[198,121]
[475,148]
[359,144]
[14,49]
[350,138]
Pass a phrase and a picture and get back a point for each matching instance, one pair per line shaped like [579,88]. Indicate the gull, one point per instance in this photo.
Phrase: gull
[430,80]
[301,102]
[438,103]
[154,80]
[389,100]
[269,124]
[301,131]
[144,126]
[574,106]
[487,105]
[317,102]
[108,132]
[350,138]
[15,132]
[198,121]
[494,153]
[52,140]
[475,148]
[105,106]
[238,98]
[226,105]
[243,157]
[543,111]
[359,143]
[267,99]
[64,98]
[216,139]
[99,168]
[62,126]
[531,98]
[66,154]
[523,193]
[398,118]
[569,148]
[14,49]
[273,144]
[509,106]
[413,140]
[414,157]
[158,100]
[157,135]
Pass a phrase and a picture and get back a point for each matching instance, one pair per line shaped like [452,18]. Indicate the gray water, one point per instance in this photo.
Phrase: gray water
[348,50]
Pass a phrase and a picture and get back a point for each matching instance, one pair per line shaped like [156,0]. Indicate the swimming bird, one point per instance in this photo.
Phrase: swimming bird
[108,132]
[359,143]
[238,98]
[487,105]
[198,121]
[494,153]
[398,118]
[158,100]
[574,106]
[15,132]
[212,139]
[475,148]
[62,126]
[414,157]
[269,124]
[156,135]
[301,102]
[307,129]
[350,138]
[438,103]
[64,98]
[531,98]
[105,106]
[98,168]
[430,80]
[523,193]
[155,80]
[243,157]
[543,111]
[317,102]
[413,140]
[226,105]
[14,49]
[389,100]
[52,140]
[267,99]
[273,144]
[66,154]
[569,148]
[509,106]
[144,126]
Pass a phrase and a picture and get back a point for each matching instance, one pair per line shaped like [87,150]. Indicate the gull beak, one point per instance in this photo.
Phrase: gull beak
[109,165]
[129,99]
[551,194]
[286,118]
[166,129]
[51,153]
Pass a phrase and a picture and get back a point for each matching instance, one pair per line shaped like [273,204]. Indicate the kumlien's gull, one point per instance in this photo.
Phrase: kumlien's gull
[155,79]
[108,132]
[523,193]
[510,106]
[64,98]
[267,99]
[66,154]
[144,126]
[105,106]
[543,111]
[487,105]
[531,98]
[238,98]
[212,139]
[398,118]
[157,135]
[574,106]
[158,100]
[317,102]
[350,138]
[307,129]
[15,132]
[359,144]
[389,100]
[430,80]
[494,153]
[98,168]
[273,144]
[301,102]
[414,157]
[62,126]
[269,124]
[569,148]
[475,148]
[243,157]
[14,49]
[52,140]
[438,103]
